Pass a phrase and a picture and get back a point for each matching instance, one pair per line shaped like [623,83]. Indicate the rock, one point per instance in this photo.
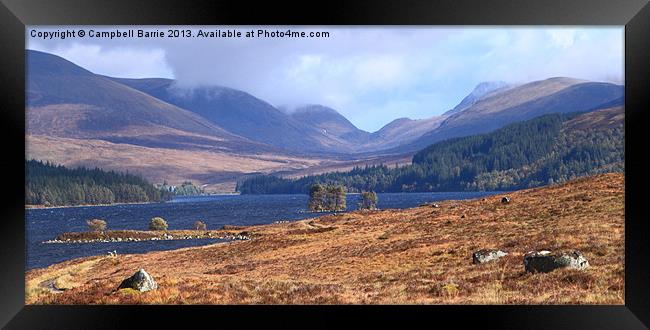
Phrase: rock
[434,205]
[545,261]
[482,256]
[505,200]
[140,281]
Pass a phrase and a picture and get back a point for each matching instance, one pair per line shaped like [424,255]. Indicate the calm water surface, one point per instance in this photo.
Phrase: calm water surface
[181,213]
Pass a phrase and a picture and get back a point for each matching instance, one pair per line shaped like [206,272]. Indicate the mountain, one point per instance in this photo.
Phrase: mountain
[480,91]
[65,100]
[77,118]
[554,95]
[401,131]
[218,134]
[547,149]
[242,114]
[330,122]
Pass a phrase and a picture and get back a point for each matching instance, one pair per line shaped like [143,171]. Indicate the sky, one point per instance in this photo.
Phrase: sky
[371,75]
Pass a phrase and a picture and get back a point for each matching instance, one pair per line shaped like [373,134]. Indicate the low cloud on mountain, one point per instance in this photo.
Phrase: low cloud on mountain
[387,73]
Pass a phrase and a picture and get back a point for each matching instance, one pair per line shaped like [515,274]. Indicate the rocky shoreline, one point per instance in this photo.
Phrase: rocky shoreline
[164,237]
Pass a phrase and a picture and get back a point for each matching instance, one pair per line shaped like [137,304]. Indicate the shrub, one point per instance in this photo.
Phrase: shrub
[326,198]
[158,223]
[96,225]
[200,225]
[368,200]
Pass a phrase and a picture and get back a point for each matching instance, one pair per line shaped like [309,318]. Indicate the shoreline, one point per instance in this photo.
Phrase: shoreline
[420,255]
[43,207]
[40,206]
[114,236]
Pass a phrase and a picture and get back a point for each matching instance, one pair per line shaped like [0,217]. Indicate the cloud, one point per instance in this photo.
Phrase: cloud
[119,61]
[371,75]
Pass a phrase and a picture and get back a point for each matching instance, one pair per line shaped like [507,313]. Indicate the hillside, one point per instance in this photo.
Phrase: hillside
[217,135]
[219,169]
[242,114]
[547,149]
[554,95]
[330,122]
[479,92]
[421,255]
[77,118]
[66,100]
[51,185]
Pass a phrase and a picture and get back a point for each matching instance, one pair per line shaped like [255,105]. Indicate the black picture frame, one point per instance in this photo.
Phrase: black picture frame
[16,14]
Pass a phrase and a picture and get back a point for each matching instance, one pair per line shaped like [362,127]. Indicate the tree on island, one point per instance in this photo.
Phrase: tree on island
[97,225]
[327,198]
[337,198]
[158,223]
[368,200]
[316,198]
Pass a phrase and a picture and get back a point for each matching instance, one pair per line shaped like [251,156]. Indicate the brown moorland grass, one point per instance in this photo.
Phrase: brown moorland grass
[414,256]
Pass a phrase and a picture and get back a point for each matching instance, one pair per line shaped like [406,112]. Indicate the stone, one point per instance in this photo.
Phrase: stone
[485,255]
[505,200]
[140,281]
[545,261]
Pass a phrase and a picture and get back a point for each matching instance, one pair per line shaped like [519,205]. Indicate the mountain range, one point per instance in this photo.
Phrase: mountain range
[548,149]
[207,133]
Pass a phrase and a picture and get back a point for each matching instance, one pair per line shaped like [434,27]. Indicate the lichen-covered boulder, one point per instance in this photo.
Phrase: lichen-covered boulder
[140,281]
[482,256]
[545,261]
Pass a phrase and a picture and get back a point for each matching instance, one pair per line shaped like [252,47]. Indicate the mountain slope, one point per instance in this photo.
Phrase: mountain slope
[330,122]
[242,114]
[65,100]
[402,131]
[547,149]
[480,91]
[555,95]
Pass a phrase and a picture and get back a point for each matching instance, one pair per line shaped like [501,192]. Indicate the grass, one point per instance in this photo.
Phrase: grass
[408,256]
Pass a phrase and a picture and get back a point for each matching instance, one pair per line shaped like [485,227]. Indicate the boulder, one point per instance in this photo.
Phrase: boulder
[505,200]
[431,204]
[482,256]
[140,281]
[545,261]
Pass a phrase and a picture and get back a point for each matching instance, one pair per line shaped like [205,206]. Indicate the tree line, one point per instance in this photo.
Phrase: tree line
[187,188]
[55,185]
[521,155]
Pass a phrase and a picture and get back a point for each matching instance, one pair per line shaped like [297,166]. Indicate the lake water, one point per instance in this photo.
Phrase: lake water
[181,213]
